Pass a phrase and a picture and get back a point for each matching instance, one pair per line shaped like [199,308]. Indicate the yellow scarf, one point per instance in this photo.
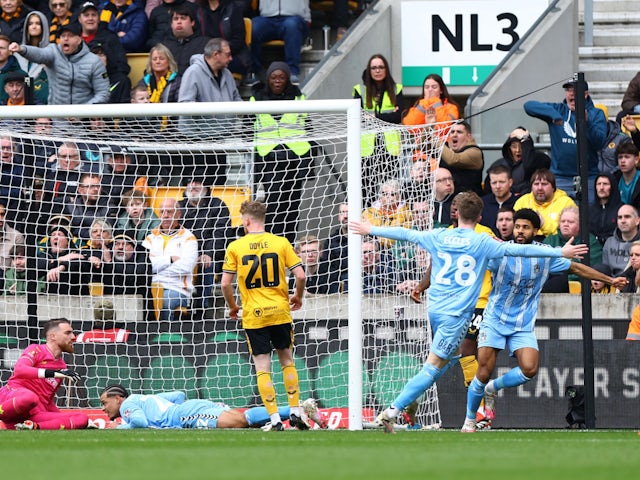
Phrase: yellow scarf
[156,93]
[9,16]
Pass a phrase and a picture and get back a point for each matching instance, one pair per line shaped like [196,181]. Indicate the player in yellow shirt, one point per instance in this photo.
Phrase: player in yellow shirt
[260,259]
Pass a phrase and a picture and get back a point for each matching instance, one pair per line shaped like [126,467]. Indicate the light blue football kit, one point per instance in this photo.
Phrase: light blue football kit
[459,258]
[172,410]
[509,318]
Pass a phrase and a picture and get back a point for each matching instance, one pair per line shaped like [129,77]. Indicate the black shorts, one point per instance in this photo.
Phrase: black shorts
[474,326]
[265,339]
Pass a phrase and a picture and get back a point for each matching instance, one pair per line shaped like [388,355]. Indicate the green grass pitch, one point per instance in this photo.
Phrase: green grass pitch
[253,454]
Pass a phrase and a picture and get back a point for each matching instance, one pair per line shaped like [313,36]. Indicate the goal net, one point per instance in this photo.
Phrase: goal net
[100,206]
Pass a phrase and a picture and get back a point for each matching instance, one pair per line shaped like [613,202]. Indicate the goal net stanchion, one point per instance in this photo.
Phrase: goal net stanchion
[351,349]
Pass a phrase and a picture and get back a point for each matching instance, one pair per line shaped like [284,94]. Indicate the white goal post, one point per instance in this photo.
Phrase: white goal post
[382,352]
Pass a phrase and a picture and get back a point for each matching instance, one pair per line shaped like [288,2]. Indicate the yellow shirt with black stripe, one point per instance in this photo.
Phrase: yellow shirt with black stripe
[260,261]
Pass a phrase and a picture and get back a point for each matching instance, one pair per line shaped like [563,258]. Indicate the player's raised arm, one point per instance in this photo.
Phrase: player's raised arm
[574,251]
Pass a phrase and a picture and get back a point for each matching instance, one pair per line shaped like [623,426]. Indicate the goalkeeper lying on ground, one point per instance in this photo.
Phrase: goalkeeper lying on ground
[172,410]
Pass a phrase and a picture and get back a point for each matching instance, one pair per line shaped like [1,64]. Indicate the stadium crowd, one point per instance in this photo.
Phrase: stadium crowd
[90,210]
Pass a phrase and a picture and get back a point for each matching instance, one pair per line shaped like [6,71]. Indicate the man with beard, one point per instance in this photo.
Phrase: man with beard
[509,319]
[463,158]
[27,400]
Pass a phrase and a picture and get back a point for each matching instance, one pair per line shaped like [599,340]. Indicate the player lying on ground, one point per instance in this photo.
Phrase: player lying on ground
[173,410]
[510,317]
[459,260]
[27,401]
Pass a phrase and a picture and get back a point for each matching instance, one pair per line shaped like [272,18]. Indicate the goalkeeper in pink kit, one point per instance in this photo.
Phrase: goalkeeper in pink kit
[27,400]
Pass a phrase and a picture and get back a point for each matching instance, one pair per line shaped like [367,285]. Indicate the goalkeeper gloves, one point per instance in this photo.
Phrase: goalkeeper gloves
[65,373]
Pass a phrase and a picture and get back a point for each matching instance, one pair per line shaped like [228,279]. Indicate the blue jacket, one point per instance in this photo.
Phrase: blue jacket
[564,150]
[133,21]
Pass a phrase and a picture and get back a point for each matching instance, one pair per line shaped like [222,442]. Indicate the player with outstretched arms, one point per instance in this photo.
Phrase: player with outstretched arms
[459,260]
[260,259]
[173,410]
[510,316]
[27,401]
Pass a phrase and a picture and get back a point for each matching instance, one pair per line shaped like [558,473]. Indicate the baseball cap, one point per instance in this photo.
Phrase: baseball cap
[73,27]
[87,5]
[125,235]
[573,83]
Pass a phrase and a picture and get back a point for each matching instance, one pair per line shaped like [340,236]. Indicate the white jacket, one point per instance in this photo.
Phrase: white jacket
[177,276]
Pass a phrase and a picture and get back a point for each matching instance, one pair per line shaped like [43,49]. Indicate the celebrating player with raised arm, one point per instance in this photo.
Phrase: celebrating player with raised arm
[510,316]
[459,259]
[173,410]
[260,260]
[27,400]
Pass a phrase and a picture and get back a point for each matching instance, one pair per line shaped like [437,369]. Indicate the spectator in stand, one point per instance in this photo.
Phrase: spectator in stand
[140,94]
[105,328]
[603,211]
[561,120]
[463,158]
[505,224]
[76,75]
[98,249]
[60,15]
[404,253]
[160,19]
[315,268]
[173,252]
[87,205]
[547,200]
[224,19]
[607,158]
[36,34]
[378,273]
[120,174]
[39,150]
[600,287]
[62,262]
[208,218]
[445,189]
[632,271]
[336,250]
[288,21]
[28,397]
[32,217]
[8,63]
[628,175]
[12,16]
[569,226]
[11,173]
[161,78]
[139,218]
[126,269]
[500,182]
[418,186]
[64,173]
[615,252]
[281,167]
[522,159]
[14,88]
[98,36]
[126,18]
[184,41]
[435,106]
[210,80]
[9,238]
[381,97]
[15,277]
[389,210]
